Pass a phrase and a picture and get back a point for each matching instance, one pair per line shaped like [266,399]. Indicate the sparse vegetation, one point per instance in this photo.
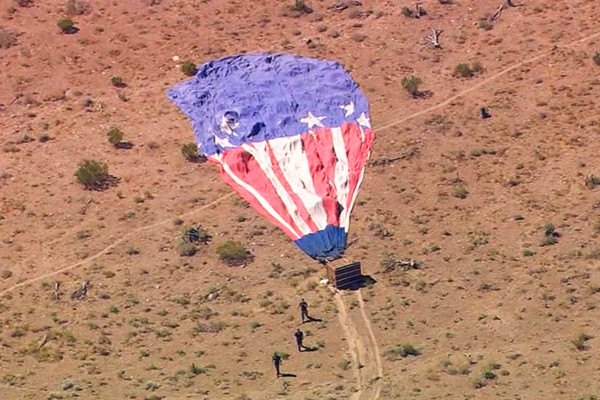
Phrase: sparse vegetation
[300,6]
[592,181]
[407,12]
[8,38]
[550,234]
[189,68]
[485,24]
[233,253]
[401,351]
[467,71]
[190,152]
[66,25]
[411,85]
[117,81]
[115,136]
[92,174]
[580,341]
[460,192]
[596,58]
[77,7]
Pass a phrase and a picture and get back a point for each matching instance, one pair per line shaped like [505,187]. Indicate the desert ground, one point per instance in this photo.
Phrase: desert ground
[501,215]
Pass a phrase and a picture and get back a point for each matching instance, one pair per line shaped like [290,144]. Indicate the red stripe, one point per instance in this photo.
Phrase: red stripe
[319,151]
[247,169]
[357,152]
[302,211]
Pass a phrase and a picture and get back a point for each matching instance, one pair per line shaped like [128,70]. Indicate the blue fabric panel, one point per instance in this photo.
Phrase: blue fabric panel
[327,244]
[264,96]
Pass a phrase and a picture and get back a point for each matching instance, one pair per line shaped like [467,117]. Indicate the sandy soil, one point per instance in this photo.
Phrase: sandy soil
[495,310]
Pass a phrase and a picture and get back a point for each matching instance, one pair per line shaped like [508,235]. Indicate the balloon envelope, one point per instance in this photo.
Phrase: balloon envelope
[290,134]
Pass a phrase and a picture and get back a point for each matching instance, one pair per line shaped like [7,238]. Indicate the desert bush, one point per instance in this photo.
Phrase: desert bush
[190,152]
[596,58]
[24,3]
[485,24]
[411,85]
[301,7]
[580,341]
[8,38]
[407,12]
[186,249]
[196,234]
[402,351]
[592,181]
[233,253]
[117,81]
[467,71]
[115,136]
[460,192]
[189,68]
[77,7]
[66,25]
[92,174]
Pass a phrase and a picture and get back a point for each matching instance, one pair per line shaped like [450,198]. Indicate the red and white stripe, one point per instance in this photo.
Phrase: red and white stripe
[297,182]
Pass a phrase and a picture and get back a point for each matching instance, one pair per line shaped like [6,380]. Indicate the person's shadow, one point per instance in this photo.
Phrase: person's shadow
[309,349]
[287,375]
[312,319]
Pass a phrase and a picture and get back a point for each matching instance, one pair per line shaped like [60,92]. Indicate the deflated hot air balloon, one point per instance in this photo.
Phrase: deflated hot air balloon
[290,134]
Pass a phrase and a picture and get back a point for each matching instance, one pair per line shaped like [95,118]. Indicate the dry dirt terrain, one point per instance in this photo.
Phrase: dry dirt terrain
[501,215]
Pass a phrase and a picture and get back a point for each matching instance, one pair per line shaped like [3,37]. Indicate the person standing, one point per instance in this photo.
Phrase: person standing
[299,337]
[303,306]
[277,363]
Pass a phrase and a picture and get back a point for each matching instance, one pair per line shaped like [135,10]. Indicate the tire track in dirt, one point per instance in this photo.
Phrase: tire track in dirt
[111,246]
[366,360]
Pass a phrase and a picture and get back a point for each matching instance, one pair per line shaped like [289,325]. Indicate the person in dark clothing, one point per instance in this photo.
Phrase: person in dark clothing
[303,306]
[277,363]
[299,336]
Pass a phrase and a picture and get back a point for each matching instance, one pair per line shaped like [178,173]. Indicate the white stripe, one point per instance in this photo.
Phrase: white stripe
[346,223]
[263,202]
[341,174]
[293,163]
[260,153]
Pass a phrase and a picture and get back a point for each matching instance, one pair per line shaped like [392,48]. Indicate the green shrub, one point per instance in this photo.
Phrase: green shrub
[596,58]
[66,25]
[92,174]
[402,351]
[460,192]
[186,249]
[592,181]
[463,71]
[233,253]
[115,136]
[485,24]
[189,68]
[117,81]
[411,85]
[190,152]
[300,6]
[282,354]
[407,12]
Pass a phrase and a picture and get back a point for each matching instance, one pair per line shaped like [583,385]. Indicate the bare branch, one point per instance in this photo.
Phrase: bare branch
[56,294]
[510,3]
[434,38]
[496,15]
[80,293]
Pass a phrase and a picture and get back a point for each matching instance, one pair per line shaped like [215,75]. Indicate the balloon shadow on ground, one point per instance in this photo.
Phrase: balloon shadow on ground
[363,281]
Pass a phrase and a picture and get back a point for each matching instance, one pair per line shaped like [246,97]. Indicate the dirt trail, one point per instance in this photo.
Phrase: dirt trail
[366,360]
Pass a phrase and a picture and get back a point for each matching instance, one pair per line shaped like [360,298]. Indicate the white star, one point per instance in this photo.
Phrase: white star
[224,143]
[311,120]
[364,121]
[349,108]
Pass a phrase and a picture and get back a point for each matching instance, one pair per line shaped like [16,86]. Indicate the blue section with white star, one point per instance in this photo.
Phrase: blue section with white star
[256,97]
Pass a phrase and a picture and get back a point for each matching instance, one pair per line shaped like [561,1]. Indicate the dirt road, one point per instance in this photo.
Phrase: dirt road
[363,349]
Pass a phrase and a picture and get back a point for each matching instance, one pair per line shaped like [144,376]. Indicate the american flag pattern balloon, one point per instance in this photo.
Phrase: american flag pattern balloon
[290,134]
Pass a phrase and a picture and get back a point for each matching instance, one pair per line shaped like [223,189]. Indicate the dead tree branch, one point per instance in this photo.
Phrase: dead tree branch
[80,293]
[420,11]
[56,294]
[496,15]
[434,38]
